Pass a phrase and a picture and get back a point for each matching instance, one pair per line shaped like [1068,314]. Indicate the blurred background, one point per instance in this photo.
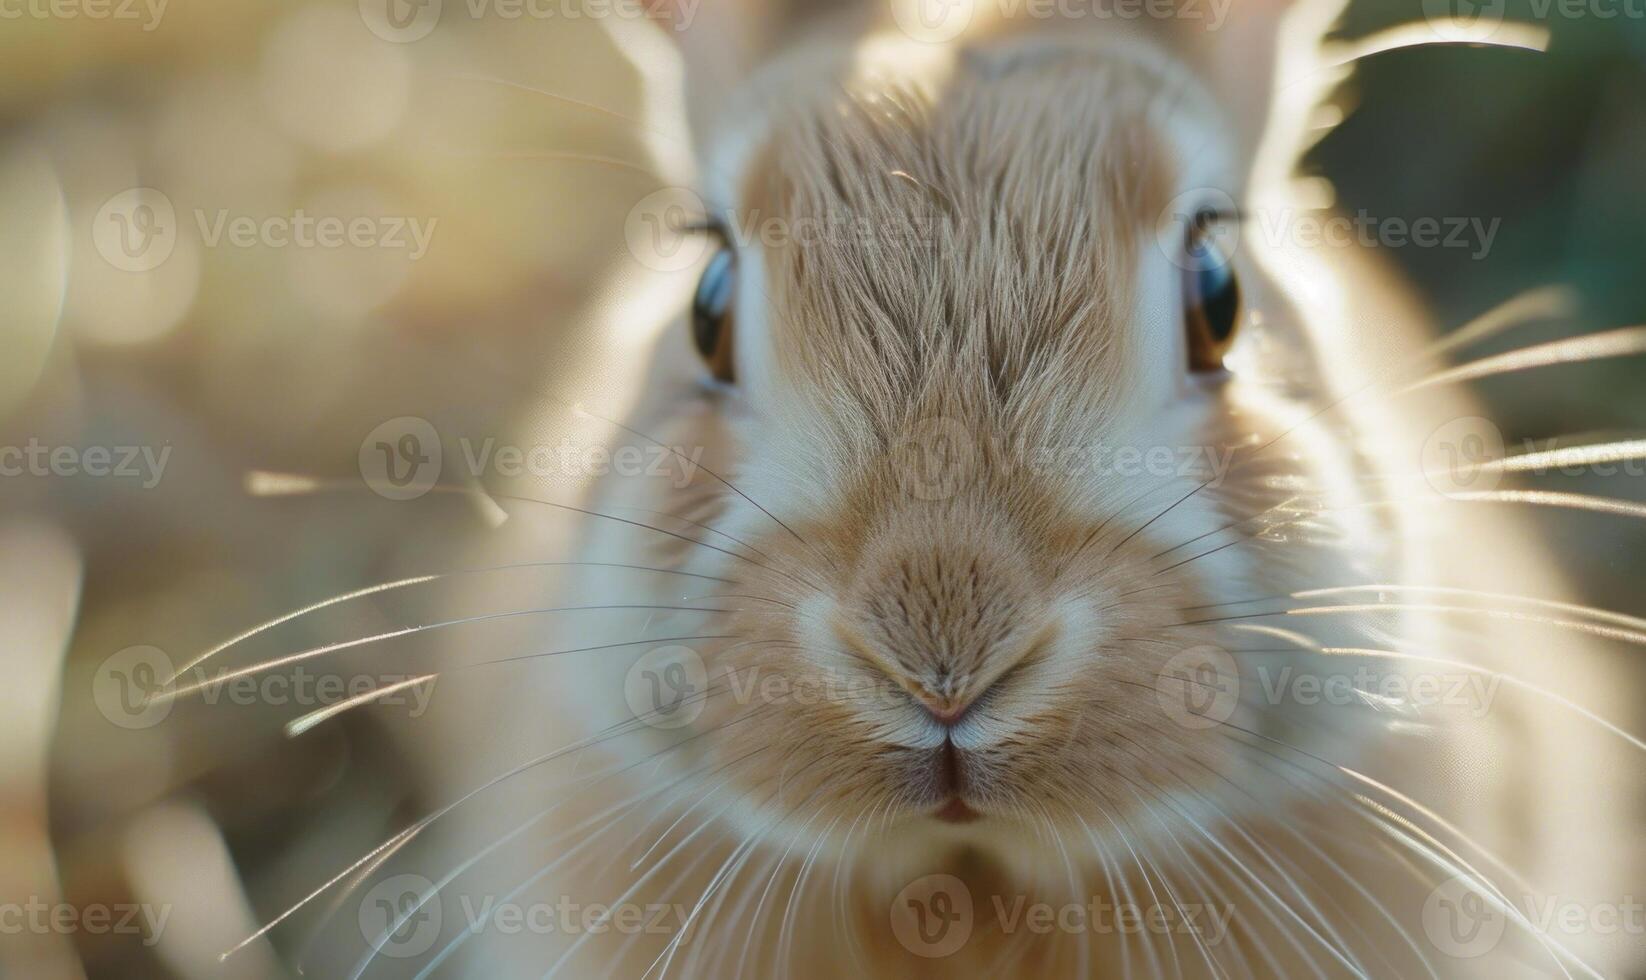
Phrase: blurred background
[241,236]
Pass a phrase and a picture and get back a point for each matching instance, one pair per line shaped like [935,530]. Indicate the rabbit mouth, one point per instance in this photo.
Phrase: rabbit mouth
[956,811]
[951,783]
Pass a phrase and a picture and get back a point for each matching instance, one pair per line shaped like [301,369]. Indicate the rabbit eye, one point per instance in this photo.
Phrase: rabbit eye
[1211,296]
[712,314]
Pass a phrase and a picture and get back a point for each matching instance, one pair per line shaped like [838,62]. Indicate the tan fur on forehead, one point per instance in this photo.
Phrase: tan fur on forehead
[966,248]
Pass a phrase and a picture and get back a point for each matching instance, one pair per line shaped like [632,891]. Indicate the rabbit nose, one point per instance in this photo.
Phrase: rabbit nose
[946,711]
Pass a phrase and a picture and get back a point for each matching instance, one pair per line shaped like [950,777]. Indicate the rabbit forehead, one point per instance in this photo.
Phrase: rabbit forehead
[982,247]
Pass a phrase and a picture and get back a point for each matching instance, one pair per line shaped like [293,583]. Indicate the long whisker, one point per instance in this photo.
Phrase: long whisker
[1510,34]
[417,827]
[514,893]
[1621,342]
[1594,612]
[406,583]
[1610,633]
[725,768]
[1545,303]
[370,859]
[1445,856]
[667,956]
[617,163]
[578,409]
[1566,501]
[675,515]
[266,484]
[302,724]
[319,651]
[557,97]
[1509,679]
[1571,456]
[1616,343]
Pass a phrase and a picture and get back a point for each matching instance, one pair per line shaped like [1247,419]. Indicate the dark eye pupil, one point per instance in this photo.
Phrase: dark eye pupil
[1219,295]
[711,304]
[1212,295]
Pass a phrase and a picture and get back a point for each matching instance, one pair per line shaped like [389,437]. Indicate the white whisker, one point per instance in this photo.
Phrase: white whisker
[1509,679]
[302,724]
[1621,342]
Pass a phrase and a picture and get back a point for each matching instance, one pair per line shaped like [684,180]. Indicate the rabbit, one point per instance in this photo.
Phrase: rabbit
[1064,581]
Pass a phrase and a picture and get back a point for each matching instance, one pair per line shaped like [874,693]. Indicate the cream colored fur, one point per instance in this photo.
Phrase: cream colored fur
[907,550]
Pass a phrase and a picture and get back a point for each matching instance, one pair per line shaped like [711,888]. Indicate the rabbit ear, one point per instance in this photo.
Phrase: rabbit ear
[1237,44]
[707,28]
[1241,60]
[720,43]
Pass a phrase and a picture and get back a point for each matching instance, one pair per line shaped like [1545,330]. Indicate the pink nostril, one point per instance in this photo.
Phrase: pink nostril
[946,712]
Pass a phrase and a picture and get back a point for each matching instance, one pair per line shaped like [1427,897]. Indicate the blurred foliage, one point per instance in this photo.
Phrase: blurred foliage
[1554,145]
[257,359]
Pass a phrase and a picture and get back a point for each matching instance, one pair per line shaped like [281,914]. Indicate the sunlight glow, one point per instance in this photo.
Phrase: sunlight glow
[298,726]
[265,483]
[1590,347]
[1529,37]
